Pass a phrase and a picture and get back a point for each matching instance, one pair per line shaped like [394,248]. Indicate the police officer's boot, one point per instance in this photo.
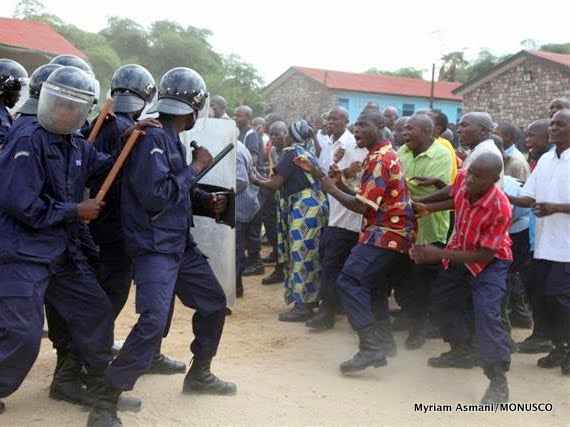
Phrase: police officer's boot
[278,276]
[104,410]
[2,407]
[369,352]
[66,383]
[387,342]
[537,342]
[520,314]
[460,356]
[498,390]
[553,359]
[95,383]
[165,366]
[200,380]
[325,317]
[301,312]
[255,266]
[565,366]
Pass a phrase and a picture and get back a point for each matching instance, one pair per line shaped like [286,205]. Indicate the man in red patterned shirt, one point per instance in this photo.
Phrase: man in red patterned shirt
[389,231]
[477,256]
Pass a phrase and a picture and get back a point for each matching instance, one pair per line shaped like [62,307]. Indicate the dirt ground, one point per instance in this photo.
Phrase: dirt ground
[288,375]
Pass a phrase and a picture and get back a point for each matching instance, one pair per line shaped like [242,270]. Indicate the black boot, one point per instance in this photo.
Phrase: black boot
[2,407]
[565,365]
[66,383]
[270,259]
[165,366]
[387,342]
[520,314]
[200,380]
[324,319]
[104,410]
[554,359]
[255,266]
[95,384]
[276,277]
[417,336]
[369,353]
[498,390]
[535,343]
[299,313]
[460,356]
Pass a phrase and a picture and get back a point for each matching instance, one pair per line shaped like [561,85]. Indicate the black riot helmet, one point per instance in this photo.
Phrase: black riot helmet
[132,87]
[65,100]
[37,79]
[12,75]
[182,91]
[74,61]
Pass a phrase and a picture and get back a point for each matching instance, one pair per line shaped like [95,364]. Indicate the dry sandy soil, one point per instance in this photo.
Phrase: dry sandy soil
[288,375]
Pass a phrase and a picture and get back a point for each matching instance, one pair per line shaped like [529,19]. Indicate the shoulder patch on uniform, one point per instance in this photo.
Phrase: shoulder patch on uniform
[156,150]
[21,153]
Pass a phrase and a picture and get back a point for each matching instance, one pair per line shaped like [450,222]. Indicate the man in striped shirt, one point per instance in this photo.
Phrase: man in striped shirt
[477,256]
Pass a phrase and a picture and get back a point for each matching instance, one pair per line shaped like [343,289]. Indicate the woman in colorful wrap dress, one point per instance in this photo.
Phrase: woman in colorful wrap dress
[301,217]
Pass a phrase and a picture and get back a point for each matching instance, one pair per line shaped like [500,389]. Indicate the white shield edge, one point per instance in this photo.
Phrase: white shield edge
[216,241]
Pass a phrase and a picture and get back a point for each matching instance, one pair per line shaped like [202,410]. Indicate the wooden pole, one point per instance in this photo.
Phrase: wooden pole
[97,126]
[117,166]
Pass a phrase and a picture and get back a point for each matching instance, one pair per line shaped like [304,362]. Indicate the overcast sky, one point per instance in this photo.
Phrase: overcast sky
[353,35]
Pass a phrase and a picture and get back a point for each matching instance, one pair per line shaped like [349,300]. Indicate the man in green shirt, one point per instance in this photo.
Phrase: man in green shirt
[427,166]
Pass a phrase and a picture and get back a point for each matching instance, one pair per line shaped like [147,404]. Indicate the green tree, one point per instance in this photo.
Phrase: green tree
[127,38]
[485,61]
[410,72]
[239,83]
[556,48]
[453,65]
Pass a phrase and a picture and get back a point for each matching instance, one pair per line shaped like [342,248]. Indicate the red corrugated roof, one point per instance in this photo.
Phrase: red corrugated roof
[374,83]
[560,58]
[35,35]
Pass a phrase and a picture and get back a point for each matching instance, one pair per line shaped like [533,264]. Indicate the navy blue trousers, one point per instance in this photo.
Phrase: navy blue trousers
[269,215]
[334,248]
[363,272]
[556,294]
[158,278]
[71,288]
[488,291]
[115,274]
[253,237]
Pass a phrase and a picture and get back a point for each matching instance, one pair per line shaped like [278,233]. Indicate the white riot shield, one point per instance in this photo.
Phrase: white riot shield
[217,241]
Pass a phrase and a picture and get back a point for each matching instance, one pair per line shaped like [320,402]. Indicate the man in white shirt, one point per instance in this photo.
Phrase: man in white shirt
[510,134]
[548,190]
[341,234]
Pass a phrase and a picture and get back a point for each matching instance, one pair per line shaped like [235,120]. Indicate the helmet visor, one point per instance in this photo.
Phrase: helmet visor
[62,109]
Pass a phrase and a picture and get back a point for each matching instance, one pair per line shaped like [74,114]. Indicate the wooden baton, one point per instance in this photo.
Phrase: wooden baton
[99,122]
[117,166]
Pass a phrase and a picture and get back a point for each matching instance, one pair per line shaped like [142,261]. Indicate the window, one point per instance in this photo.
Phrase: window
[408,109]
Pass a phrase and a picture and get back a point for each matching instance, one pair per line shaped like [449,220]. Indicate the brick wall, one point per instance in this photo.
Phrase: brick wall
[509,98]
[300,97]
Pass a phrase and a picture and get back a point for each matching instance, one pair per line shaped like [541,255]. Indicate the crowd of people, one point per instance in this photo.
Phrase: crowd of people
[464,229]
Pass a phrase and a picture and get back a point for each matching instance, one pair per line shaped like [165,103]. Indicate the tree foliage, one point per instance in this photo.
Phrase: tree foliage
[411,72]
[556,48]
[162,46]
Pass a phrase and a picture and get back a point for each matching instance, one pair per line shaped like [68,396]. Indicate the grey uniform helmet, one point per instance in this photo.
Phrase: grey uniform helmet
[37,79]
[132,87]
[182,91]
[12,75]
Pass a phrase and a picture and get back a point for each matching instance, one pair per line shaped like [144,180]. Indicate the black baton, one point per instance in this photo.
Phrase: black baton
[215,160]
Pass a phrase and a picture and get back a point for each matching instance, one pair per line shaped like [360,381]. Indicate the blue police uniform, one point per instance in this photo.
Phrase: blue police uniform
[42,177]
[6,121]
[115,271]
[156,205]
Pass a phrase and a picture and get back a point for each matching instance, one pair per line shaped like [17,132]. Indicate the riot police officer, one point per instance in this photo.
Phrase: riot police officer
[43,172]
[158,196]
[132,88]
[11,76]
